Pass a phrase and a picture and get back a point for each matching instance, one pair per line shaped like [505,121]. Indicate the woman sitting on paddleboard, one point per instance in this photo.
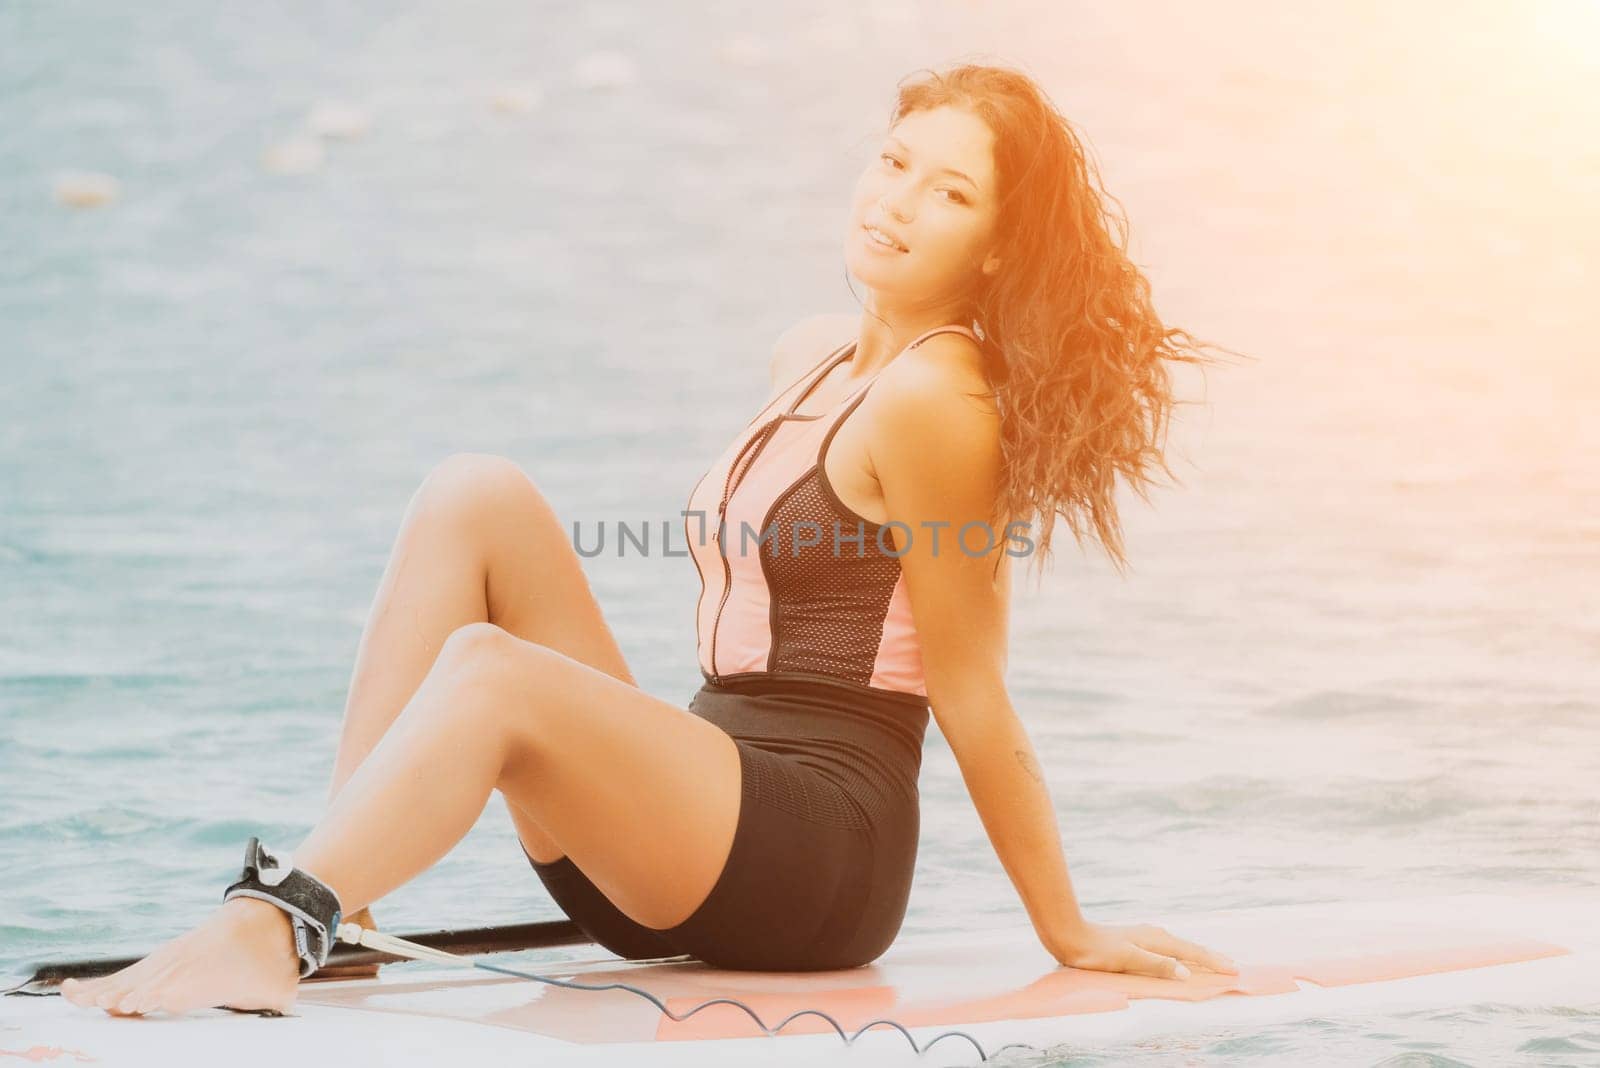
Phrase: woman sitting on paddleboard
[854,544]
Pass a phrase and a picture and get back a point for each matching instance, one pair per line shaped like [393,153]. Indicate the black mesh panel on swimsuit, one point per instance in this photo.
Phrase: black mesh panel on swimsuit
[828,609]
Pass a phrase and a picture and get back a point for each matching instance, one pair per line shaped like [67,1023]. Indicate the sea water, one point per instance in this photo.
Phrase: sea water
[1356,654]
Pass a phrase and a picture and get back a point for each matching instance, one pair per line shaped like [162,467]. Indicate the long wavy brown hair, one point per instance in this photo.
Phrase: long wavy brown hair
[1075,353]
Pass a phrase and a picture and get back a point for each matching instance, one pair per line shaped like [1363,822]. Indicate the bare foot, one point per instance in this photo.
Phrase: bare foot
[242,956]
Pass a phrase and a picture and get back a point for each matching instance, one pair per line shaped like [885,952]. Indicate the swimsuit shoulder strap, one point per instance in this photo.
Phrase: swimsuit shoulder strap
[861,390]
[949,328]
[825,363]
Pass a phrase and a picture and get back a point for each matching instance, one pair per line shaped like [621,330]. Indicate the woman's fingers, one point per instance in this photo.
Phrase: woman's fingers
[1138,949]
[1164,941]
[1145,962]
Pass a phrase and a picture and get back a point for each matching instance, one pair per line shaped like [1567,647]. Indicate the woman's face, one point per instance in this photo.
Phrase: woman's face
[942,221]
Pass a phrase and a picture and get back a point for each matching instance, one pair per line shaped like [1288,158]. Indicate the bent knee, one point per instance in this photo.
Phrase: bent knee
[477,640]
[477,485]
[487,659]
[488,647]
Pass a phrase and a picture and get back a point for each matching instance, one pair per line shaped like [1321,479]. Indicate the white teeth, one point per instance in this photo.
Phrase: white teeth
[883,239]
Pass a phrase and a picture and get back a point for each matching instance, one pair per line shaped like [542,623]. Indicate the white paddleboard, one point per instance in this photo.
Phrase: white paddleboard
[997,986]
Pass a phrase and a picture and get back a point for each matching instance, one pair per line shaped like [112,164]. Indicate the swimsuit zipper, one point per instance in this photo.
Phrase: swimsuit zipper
[764,435]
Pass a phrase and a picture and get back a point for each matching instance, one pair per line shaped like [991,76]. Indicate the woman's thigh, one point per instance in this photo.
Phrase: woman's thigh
[642,794]
[535,586]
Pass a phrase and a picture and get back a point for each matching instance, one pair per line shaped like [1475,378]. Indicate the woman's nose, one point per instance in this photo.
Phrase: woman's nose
[890,210]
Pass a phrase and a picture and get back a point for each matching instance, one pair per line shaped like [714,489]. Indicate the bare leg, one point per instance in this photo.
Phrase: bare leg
[643,795]
[478,543]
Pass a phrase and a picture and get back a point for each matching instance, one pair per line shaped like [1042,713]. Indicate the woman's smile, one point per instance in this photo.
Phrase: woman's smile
[880,242]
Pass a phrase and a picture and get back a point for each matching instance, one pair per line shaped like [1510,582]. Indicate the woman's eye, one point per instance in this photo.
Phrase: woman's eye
[957,198]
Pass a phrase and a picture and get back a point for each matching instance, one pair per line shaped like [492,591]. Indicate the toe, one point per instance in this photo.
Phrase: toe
[128,1004]
[109,990]
[111,994]
[147,1002]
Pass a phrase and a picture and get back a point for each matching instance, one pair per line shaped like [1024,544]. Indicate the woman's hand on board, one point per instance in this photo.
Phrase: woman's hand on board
[1138,949]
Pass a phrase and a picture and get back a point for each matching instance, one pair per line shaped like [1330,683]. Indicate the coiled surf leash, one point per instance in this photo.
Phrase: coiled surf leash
[355,934]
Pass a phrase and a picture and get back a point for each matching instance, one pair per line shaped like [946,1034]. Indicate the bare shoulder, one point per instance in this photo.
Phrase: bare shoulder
[801,346]
[942,378]
[934,433]
[934,445]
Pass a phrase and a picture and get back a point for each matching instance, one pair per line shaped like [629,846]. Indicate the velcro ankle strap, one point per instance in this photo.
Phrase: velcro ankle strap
[311,904]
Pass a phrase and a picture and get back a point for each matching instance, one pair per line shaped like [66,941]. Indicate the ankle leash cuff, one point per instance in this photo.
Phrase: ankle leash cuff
[311,904]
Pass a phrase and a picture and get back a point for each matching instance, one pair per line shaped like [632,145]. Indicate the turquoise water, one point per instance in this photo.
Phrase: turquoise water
[1357,654]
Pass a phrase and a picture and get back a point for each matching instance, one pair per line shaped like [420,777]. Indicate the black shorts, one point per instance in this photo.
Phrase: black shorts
[822,857]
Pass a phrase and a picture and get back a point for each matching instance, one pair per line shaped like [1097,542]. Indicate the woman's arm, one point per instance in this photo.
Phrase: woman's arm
[936,454]
[1007,787]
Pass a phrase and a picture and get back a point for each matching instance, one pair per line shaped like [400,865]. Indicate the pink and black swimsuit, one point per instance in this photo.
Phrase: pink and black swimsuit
[810,662]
